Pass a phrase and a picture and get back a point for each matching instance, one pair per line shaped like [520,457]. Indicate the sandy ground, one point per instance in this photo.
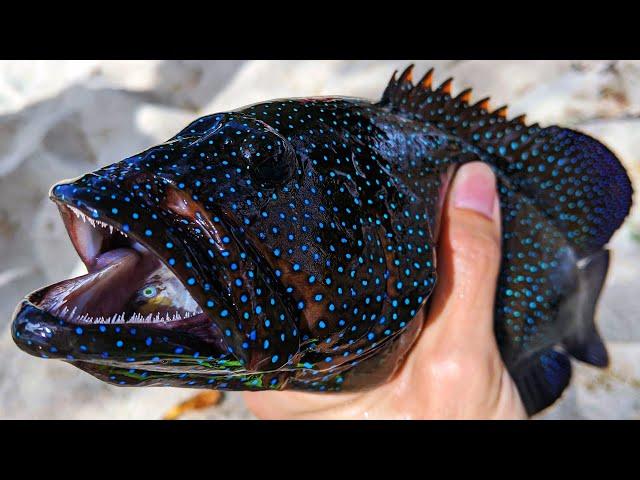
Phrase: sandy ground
[62,119]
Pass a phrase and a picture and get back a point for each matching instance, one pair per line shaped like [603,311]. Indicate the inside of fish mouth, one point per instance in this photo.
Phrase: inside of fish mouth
[125,283]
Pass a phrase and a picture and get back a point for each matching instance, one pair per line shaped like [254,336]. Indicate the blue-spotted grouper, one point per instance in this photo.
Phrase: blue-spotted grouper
[289,245]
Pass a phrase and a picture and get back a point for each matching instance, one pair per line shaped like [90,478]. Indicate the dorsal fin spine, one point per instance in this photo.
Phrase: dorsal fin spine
[501,111]
[407,75]
[426,80]
[446,86]
[464,96]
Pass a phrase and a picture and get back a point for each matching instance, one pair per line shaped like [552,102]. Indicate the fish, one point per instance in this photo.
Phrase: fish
[290,244]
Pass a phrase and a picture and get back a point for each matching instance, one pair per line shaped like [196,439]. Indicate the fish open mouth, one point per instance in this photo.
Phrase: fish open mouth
[125,283]
[126,288]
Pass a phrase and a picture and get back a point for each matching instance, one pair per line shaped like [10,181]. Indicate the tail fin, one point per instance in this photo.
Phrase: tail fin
[583,341]
[542,379]
[575,180]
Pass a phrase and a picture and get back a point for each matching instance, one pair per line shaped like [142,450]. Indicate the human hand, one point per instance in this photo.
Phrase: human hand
[454,370]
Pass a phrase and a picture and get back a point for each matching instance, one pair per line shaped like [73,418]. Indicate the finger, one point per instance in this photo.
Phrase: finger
[468,256]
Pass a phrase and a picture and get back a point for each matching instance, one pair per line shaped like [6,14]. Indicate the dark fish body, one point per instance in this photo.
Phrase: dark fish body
[290,244]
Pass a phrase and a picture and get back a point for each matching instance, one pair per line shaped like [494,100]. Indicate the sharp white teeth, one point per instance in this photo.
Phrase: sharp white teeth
[119,318]
[95,223]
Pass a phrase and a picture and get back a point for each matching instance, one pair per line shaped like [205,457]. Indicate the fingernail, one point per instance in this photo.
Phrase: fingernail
[474,188]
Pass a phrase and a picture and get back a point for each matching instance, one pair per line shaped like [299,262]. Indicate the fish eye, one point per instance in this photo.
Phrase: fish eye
[273,171]
[149,292]
[270,159]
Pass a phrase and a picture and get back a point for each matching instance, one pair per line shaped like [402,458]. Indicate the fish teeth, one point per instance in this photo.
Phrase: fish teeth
[63,311]
[96,223]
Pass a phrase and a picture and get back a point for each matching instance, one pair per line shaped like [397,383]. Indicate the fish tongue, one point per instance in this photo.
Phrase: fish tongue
[105,291]
[120,258]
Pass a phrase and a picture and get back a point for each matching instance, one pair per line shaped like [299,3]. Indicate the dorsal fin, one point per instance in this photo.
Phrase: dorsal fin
[589,208]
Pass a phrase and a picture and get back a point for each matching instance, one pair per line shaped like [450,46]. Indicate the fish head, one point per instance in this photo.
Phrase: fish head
[178,288]
[245,252]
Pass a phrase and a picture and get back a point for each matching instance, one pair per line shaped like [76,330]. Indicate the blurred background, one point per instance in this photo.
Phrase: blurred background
[59,119]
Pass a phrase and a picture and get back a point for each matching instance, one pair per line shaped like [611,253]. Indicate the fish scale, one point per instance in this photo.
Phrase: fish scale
[305,229]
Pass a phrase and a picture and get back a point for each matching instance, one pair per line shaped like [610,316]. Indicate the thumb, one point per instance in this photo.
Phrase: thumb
[468,257]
